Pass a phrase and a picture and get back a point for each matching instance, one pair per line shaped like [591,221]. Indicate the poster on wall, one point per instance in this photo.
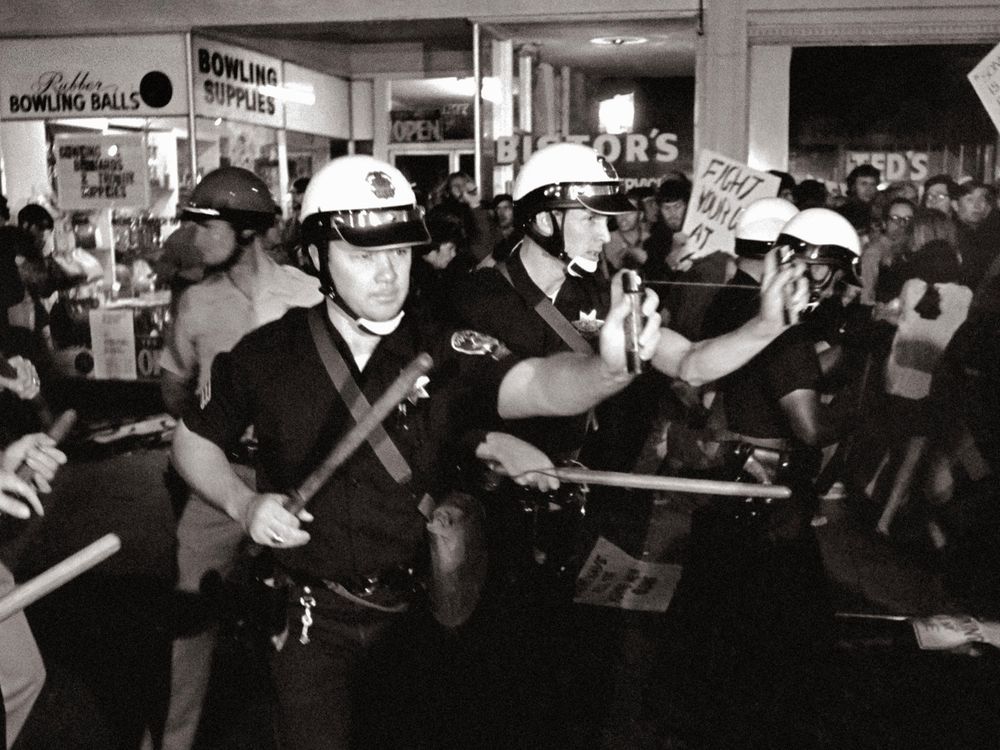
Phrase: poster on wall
[121,76]
[237,84]
[722,188]
[985,79]
[113,343]
[95,171]
[641,159]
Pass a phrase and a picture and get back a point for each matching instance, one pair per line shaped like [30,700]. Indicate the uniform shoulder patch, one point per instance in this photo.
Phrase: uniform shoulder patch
[474,343]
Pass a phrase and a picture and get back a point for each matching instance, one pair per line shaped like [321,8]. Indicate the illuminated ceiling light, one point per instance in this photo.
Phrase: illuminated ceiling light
[617,115]
[618,41]
[113,150]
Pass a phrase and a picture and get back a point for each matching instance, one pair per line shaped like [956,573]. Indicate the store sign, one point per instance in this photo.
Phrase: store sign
[101,171]
[985,79]
[416,126]
[126,76]
[722,188]
[639,158]
[894,165]
[237,84]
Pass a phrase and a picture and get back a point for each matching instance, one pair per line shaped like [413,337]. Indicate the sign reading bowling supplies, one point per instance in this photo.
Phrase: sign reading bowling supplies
[101,171]
[237,84]
[133,76]
[722,188]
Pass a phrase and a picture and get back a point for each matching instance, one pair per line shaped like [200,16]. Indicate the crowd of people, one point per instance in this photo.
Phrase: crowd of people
[847,347]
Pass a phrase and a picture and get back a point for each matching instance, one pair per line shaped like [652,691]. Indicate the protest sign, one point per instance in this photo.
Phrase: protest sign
[722,188]
[985,79]
[613,578]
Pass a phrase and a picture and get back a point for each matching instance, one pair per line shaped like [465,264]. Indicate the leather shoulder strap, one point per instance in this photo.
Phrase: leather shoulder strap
[555,319]
[386,451]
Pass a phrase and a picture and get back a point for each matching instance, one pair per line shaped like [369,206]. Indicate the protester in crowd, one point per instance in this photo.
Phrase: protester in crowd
[978,223]
[888,248]
[932,305]
[672,199]
[810,194]
[863,196]
[244,288]
[939,191]
[624,248]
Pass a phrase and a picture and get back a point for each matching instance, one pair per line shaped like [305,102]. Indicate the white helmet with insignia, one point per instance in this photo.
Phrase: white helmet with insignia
[564,176]
[364,202]
[367,204]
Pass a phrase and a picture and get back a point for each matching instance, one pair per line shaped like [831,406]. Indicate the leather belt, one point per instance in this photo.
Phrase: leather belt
[392,590]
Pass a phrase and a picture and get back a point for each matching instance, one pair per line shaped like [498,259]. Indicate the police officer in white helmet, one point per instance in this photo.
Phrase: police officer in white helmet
[352,556]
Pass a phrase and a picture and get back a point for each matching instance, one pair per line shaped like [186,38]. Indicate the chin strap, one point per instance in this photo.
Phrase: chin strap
[373,327]
[580,267]
[555,245]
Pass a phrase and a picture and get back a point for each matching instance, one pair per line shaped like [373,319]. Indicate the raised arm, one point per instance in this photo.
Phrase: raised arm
[702,362]
[570,383]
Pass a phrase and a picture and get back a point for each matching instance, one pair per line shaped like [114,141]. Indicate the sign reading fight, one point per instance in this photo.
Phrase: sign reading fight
[93,77]
[237,84]
[101,171]
[985,79]
[722,188]
[639,158]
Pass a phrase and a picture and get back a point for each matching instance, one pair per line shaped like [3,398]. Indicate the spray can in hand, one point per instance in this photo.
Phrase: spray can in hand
[632,288]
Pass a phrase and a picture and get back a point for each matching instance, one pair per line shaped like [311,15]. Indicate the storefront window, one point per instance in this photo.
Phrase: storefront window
[910,111]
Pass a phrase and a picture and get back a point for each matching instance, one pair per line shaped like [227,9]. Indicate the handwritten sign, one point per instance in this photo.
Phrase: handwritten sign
[722,188]
[112,336]
[985,79]
[101,171]
[613,578]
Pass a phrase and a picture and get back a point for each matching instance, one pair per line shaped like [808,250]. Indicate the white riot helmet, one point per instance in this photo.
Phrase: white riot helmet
[759,225]
[564,176]
[369,205]
[819,236]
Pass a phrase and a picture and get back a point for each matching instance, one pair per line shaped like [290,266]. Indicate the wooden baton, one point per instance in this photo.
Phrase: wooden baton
[400,388]
[667,484]
[44,583]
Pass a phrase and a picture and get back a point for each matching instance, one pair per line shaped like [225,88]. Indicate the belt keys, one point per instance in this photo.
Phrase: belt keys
[308,601]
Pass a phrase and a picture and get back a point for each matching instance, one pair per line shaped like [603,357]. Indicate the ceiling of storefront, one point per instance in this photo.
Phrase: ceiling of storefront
[669,51]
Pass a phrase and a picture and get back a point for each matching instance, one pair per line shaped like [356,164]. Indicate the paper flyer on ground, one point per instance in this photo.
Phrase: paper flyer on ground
[949,631]
[612,578]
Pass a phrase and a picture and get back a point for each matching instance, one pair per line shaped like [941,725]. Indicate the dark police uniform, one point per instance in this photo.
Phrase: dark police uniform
[556,644]
[752,601]
[367,527]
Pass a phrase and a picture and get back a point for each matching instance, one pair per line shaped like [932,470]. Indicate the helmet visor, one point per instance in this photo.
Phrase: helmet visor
[832,255]
[601,198]
[376,228]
